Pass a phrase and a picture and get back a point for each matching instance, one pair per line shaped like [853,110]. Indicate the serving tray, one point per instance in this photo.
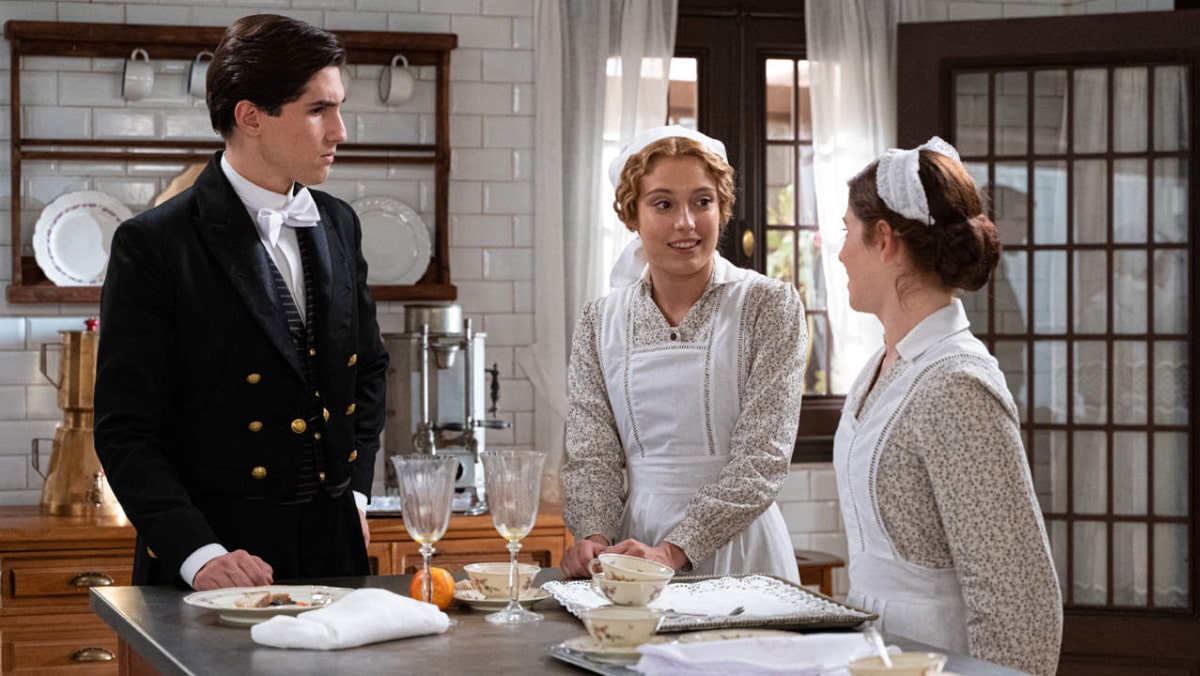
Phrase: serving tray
[766,600]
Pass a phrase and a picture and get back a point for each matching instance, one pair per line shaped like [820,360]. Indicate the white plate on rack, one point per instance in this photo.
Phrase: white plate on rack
[225,601]
[395,241]
[73,234]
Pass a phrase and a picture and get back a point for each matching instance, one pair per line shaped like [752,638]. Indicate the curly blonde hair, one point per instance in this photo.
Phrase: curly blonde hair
[629,189]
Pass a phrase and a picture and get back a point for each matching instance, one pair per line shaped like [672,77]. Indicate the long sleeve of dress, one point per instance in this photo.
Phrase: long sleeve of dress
[594,475]
[972,464]
[773,345]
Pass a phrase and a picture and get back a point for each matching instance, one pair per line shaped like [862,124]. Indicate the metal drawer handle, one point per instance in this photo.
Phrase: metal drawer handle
[92,655]
[91,580]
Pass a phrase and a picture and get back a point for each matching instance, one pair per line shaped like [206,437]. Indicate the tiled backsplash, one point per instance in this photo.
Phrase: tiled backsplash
[490,197]
[491,190]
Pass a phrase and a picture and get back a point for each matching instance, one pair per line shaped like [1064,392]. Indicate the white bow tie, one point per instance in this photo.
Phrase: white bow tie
[299,212]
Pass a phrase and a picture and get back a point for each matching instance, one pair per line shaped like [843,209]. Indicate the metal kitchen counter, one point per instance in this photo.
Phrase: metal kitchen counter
[177,638]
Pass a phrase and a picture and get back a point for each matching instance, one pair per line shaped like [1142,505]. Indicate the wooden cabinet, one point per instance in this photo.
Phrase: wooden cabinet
[183,43]
[469,539]
[47,566]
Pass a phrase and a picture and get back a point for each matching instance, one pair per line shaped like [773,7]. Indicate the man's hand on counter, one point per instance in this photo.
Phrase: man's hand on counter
[238,568]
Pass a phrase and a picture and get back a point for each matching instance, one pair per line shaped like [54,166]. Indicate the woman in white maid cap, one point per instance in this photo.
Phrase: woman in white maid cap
[945,535]
[685,380]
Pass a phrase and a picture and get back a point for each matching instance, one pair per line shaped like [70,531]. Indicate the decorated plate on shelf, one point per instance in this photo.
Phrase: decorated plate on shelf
[244,606]
[73,234]
[395,241]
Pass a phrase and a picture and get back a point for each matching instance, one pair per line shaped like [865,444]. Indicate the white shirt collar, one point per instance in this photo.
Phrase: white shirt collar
[253,196]
[939,324]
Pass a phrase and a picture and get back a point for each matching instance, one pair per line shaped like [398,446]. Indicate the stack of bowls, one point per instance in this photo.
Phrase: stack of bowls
[631,584]
[629,580]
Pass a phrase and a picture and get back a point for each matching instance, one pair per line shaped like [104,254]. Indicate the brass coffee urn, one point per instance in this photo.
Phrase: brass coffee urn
[75,484]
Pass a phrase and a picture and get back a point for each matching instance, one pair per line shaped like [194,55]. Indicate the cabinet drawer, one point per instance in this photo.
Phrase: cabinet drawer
[61,577]
[87,648]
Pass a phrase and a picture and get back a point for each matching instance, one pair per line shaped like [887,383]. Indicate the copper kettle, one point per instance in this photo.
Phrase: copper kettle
[74,483]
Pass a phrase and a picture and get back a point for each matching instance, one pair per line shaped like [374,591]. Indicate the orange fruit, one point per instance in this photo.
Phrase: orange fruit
[443,587]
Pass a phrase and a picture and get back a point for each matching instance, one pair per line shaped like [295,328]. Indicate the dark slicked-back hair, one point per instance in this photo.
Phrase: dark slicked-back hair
[961,248]
[266,59]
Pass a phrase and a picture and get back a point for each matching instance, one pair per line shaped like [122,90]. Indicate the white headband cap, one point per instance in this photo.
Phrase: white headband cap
[898,179]
[649,136]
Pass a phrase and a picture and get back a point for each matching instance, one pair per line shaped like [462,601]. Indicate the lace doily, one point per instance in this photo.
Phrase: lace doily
[706,603]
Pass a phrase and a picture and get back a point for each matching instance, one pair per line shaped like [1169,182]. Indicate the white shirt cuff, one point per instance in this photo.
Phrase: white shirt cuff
[193,564]
[361,500]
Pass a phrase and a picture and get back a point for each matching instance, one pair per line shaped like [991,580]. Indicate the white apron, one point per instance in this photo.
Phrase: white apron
[924,604]
[675,406]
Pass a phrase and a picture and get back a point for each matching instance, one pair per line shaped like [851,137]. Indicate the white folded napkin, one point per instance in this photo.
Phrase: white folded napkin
[363,616]
[825,654]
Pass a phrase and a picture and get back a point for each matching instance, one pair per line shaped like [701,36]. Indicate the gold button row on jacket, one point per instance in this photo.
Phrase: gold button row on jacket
[260,472]
[298,425]
[325,413]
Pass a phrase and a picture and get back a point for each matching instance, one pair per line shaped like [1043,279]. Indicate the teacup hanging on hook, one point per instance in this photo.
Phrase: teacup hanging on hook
[198,74]
[138,78]
[396,81]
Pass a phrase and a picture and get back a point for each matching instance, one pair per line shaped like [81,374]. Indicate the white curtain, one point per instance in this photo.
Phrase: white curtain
[852,64]
[1132,399]
[602,74]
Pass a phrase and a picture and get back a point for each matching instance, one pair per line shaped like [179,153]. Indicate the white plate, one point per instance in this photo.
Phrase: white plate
[72,236]
[478,601]
[395,241]
[224,601]
[606,653]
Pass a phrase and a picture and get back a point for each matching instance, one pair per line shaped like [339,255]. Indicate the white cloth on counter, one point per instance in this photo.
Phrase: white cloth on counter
[363,616]
[824,654]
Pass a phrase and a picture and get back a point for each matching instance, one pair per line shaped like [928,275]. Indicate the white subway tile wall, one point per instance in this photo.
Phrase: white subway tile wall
[491,191]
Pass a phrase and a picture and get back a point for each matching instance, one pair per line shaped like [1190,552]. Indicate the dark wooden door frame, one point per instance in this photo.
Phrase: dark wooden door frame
[729,38]
[1093,641]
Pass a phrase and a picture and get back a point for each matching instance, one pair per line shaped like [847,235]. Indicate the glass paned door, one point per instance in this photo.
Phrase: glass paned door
[793,240]
[1087,173]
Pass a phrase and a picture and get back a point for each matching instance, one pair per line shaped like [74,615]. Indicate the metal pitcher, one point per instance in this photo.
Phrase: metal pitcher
[74,483]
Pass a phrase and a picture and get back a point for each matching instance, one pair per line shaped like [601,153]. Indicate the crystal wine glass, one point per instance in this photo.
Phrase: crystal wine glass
[512,480]
[426,491]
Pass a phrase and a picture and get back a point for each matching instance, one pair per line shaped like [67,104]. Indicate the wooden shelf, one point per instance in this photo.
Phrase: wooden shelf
[91,40]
